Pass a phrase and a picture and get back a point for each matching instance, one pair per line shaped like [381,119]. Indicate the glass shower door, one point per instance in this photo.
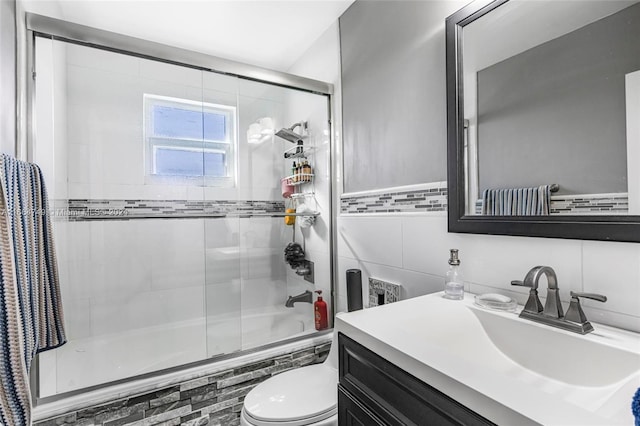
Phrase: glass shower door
[130,145]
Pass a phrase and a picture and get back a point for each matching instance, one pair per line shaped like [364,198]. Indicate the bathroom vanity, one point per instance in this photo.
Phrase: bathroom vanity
[430,360]
[374,391]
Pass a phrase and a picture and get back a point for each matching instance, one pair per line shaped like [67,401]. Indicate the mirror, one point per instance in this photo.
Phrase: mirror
[544,118]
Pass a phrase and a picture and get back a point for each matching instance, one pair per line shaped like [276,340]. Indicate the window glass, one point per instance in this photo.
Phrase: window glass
[189,139]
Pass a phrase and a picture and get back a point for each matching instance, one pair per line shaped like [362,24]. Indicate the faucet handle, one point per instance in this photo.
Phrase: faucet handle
[533,304]
[575,312]
[593,296]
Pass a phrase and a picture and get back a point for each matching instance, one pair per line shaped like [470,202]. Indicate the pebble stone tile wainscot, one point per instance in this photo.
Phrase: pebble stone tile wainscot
[210,400]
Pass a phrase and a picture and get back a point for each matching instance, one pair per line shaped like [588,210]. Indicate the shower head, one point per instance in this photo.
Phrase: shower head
[289,135]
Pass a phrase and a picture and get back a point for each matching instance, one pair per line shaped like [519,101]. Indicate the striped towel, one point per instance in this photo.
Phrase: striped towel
[517,201]
[31,318]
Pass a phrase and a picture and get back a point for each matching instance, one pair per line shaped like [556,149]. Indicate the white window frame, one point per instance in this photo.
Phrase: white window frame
[228,146]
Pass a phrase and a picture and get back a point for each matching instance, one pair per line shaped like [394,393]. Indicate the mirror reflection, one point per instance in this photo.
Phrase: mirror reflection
[552,109]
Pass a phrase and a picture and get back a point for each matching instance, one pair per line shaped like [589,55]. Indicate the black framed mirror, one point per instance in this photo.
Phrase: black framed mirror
[543,110]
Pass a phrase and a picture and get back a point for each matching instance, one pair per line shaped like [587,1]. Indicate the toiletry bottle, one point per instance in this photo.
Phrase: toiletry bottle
[307,171]
[320,312]
[294,170]
[453,283]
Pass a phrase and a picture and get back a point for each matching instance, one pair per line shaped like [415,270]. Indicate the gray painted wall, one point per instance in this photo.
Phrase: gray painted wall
[394,95]
[7,76]
[556,113]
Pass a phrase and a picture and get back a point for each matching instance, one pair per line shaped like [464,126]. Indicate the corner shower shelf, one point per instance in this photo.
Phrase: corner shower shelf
[299,175]
[297,151]
[303,195]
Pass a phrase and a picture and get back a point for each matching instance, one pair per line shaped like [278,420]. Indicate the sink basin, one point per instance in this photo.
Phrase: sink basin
[502,366]
[601,358]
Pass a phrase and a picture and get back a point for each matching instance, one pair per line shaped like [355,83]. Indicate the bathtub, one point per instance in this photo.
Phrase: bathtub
[82,363]
[277,323]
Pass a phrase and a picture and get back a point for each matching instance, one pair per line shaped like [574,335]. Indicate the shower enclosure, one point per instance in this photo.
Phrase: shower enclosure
[165,179]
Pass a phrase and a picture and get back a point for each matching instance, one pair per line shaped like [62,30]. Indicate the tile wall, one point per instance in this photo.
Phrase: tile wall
[412,250]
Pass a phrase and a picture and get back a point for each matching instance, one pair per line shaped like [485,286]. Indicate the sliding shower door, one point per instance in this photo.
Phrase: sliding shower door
[134,147]
[168,212]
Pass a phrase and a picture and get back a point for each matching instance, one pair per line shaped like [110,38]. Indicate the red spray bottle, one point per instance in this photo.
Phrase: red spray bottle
[320,311]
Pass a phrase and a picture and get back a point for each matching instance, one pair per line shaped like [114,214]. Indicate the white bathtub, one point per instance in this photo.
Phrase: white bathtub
[277,323]
[97,360]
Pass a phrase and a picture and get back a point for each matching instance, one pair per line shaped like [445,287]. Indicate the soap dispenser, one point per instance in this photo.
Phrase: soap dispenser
[453,283]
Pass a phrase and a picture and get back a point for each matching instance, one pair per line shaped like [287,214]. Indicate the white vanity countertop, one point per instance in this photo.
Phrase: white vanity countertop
[444,343]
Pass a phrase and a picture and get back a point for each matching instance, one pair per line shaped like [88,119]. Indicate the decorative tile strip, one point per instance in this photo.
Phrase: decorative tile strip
[428,198]
[584,204]
[96,209]
[209,400]
[590,204]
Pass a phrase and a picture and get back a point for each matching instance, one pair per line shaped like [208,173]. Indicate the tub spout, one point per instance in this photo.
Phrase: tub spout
[307,297]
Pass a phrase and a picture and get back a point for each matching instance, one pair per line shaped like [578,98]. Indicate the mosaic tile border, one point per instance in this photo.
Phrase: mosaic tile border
[210,400]
[429,198]
[99,209]
[585,204]
[610,204]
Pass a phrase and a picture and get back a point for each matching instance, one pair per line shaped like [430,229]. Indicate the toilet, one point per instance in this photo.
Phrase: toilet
[305,396]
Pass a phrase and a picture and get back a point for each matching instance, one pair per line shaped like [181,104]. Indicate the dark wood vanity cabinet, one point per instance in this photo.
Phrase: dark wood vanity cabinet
[373,391]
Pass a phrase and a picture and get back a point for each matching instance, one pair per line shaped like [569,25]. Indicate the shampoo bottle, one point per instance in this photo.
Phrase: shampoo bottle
[320,312]
[453,283]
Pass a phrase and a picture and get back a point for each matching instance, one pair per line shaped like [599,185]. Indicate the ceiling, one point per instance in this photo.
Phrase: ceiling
[267,33]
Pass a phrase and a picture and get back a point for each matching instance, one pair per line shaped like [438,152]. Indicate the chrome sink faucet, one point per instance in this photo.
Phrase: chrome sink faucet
[307,297]
[552,313]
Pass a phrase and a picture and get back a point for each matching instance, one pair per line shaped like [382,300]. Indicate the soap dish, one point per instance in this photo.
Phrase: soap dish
[497,302]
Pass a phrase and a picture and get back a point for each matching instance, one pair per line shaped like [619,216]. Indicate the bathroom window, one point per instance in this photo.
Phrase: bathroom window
[189,142]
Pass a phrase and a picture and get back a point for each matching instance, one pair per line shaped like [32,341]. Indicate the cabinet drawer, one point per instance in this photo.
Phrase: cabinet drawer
[353,413]
[394,395]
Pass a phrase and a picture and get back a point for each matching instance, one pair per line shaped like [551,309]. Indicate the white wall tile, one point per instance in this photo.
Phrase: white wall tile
[81,277]
[79,163]
[613,269]
[371,239]
[413,283]
[74,241]
[177,268]
[123,164]
[148,309]
[497,260]
[426,243]
[265,263]
[264,232]
[263,292]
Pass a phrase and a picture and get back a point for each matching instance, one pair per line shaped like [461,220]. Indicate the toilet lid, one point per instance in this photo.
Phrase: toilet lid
[303,393]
